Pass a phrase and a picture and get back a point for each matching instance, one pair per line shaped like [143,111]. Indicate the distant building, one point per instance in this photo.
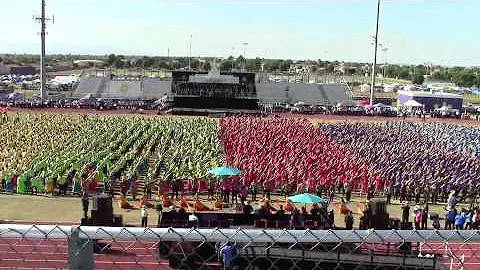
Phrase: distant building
[300,67]
[344,69]
[88,62]
[431,100]
[23,70]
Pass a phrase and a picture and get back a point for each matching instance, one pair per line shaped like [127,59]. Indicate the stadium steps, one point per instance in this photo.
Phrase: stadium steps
[140,180]
[116,189]
[88,85]
[102,87]
[326,100]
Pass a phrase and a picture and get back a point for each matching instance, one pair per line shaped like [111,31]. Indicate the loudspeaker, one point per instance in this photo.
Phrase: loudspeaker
[102,210]
[102,202]
[378,206]
[406,226]
[117,221]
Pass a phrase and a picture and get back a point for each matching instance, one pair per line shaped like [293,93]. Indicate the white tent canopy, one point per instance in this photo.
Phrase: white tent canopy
[412,103]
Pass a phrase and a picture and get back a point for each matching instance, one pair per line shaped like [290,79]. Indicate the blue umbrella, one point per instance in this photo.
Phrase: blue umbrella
[224,171]
[307,198]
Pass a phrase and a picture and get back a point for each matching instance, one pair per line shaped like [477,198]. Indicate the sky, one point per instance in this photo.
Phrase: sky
[413,32]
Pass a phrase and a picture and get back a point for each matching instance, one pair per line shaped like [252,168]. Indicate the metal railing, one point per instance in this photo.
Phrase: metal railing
[75,247]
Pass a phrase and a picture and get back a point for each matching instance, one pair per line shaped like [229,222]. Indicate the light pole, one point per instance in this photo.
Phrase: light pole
[233,58]
[43,72]
[245,44]
[384,50]
[325,67]
[372,88]
[190,54]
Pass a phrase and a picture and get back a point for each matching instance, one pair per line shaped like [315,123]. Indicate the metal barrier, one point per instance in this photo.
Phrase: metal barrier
[74,247]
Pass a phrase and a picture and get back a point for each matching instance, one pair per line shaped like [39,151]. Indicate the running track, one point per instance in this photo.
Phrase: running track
[52,254]
[319,117]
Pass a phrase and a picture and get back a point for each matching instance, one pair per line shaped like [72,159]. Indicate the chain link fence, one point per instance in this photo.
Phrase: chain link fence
[72,247]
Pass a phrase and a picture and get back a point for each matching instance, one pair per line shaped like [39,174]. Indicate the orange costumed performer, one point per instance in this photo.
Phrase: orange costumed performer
[166,201]
[184,202]
[144,201]
[198,206]
[123,204]
[218,203]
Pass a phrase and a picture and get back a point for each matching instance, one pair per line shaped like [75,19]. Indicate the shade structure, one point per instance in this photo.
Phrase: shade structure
[412,103]
[306,198]
[224,171]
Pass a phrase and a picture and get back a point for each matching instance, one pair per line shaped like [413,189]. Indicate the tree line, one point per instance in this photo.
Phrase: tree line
[461,76]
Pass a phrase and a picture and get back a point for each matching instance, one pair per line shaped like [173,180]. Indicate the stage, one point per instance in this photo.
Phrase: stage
[213,112]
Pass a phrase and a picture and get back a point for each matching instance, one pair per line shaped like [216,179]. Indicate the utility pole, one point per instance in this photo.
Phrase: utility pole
[384,50]
[325,67]
[372,89]
[168,60]
[190,55]
[43,72]
[245,44]
[233,58]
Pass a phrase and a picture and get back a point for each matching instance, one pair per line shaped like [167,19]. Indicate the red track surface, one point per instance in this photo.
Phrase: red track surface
[52,254]
[316,117]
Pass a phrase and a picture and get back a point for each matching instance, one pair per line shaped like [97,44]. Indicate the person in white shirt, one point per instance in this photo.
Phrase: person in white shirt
[144,214]
[193,220]
[452,201]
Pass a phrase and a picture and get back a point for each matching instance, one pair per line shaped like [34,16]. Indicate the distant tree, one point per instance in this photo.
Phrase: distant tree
[240,60]
[111,59]
[226,64]
[284,65]
[465,79]
[119,63]
[138,63]
[148,62]
[195,63]
[417,78]
[330,67]
[403,74]
[206,66]
[271,65]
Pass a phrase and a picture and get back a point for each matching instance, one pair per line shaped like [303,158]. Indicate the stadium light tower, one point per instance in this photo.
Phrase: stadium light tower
[245,44]
[233,58]
[190,54]
[372,87]
[384,50]
[43,72]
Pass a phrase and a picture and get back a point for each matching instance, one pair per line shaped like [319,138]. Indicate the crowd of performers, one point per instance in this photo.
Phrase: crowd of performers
[420,163]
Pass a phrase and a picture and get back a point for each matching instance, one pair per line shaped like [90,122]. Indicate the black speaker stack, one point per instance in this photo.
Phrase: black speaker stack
[102,210]
[380,218]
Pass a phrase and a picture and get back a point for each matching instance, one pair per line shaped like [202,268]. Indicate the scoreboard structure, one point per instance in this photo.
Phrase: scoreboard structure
[214,90]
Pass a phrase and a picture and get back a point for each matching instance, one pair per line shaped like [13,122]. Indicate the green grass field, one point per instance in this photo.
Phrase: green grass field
[29,208]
